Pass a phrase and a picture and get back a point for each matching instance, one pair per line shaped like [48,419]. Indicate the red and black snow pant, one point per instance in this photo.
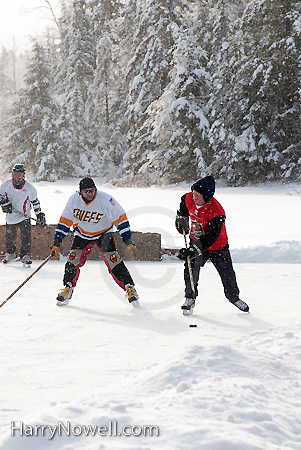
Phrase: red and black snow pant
[221,259]
[81,249]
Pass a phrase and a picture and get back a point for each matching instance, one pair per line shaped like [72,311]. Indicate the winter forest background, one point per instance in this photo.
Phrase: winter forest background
[144,92]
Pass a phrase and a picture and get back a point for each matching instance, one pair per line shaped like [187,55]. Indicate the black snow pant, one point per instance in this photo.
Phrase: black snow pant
[80,250]
[25,235]
[221,259]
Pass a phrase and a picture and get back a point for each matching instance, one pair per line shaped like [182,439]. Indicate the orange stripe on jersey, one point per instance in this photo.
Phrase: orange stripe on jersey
[89,233]
[65,221]
[120,219]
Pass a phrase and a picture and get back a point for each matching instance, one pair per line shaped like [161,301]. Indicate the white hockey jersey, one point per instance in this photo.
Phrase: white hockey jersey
[22,200]
[91,220]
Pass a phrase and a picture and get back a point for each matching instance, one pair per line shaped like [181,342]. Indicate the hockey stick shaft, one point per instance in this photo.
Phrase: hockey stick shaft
[25,215]
[25,281]
[189,267]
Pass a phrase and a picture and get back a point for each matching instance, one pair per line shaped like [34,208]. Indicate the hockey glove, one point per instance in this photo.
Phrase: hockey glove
[6,206]
[55,249]
[183,253]
[133,250]
[182,224]
[41,219]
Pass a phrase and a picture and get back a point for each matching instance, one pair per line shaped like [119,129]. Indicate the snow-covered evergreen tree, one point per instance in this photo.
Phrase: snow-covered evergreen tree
[177,126]
[12,70]
[167,85]
[33,125]
[75,76]
[257,136]
[163,91]
[104,14]
[215,29]
[105,118]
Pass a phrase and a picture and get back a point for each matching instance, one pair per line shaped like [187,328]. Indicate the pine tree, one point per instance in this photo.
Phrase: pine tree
[215,27]
[164,117]
[259,139]
[76,74]
[80,60]
[106,95]
[178,126]
[273,90]
[33,127]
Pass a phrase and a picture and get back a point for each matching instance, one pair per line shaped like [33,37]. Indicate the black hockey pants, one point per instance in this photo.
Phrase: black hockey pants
[25,235]
[80,250]
[221,259]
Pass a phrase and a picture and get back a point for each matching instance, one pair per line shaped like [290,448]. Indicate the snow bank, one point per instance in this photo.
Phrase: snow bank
[243,396]
[282,252]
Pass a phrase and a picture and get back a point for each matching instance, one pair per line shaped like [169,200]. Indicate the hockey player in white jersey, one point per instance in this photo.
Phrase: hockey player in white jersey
[92,214]
[17,197]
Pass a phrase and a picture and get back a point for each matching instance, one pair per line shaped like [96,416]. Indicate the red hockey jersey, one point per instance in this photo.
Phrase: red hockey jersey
[202,215]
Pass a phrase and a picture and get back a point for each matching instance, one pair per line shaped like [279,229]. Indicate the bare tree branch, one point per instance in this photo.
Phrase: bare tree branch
[52,12]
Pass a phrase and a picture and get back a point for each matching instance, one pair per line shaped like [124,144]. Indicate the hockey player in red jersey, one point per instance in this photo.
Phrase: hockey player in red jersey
[208,241]
[92,214]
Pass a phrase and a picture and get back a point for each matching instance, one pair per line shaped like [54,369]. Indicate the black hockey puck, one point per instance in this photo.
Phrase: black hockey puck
[193,326]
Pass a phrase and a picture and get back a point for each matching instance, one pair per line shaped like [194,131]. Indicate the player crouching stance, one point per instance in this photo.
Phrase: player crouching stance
[92,214]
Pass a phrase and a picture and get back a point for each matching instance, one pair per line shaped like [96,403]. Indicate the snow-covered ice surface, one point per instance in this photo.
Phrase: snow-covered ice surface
[231,383]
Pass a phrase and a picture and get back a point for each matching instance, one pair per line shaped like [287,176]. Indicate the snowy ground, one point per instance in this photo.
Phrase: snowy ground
[231,383]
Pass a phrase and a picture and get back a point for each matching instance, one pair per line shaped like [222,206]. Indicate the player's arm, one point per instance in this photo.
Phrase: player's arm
[62,228]
[182,217]
[120,220]
[123,227]
[213,231]
[41,219]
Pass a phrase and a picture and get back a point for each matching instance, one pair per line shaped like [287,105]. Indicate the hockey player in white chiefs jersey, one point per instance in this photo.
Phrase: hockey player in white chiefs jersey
[17,197]
[93,214]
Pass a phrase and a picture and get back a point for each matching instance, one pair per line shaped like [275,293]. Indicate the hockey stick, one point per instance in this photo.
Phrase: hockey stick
[23,214]
[28,217]
[189,267]
[30,276]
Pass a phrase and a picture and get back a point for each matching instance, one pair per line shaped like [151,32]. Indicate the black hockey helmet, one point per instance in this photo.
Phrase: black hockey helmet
[86,183]
[19,168]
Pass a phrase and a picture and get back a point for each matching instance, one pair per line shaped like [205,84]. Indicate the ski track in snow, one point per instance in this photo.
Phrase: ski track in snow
[231,383]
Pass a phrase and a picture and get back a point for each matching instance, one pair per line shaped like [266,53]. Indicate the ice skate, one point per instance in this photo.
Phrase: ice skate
[10,257]
[188,306]
[241,305]
[132,296]
[64,295]
[26,261]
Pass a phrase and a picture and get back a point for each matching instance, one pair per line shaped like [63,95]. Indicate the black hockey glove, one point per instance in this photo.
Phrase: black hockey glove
[41,219]
[6,206]
[182,224]
[183,253]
